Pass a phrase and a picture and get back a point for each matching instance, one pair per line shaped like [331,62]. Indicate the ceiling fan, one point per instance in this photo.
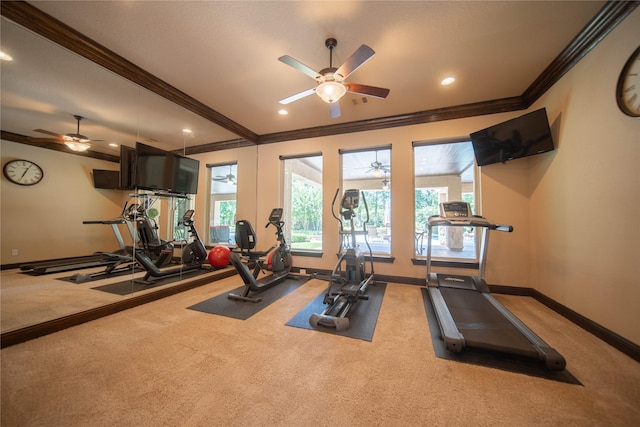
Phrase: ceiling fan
[229,178]
[331,85]
[378,168]
[75,141]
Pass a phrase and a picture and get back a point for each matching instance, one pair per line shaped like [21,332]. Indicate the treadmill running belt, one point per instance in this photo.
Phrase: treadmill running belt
[482,325]
[67,264]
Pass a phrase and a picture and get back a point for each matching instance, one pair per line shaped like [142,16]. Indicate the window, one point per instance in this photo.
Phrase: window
[303,202]
[444,172]
[222,203]
[180,206]
[370,172]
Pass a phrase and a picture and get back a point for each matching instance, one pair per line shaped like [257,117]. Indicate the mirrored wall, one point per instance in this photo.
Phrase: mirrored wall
[65,215]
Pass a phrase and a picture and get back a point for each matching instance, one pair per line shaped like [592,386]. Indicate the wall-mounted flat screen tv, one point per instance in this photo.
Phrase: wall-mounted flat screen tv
[107,179]
[154,168]
[520,137]
[186,175]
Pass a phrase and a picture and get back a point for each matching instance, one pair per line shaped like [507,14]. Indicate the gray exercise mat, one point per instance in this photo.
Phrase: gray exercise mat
[505,362]
[242,310]
[362,317]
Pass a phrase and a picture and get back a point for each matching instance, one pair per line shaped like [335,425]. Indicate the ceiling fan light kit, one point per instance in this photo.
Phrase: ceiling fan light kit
[331,85]
[77,145]
[331,91]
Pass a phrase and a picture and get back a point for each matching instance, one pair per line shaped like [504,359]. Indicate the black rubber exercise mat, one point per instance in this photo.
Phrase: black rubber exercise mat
[505,362]
[95,276]
[223,306]
[363,316]
[131,286]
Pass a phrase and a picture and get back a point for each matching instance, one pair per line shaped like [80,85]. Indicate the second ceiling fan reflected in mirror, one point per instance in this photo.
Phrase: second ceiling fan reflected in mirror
[75,141]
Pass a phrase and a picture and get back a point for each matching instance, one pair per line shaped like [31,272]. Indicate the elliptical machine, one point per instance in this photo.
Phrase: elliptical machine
[353,281]
[194,254]
[278,258]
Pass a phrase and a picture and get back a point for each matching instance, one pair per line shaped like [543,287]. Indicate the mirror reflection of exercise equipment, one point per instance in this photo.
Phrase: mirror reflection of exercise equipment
[113,262]
[276,259]
[468,315]
[349,280]
[157,253]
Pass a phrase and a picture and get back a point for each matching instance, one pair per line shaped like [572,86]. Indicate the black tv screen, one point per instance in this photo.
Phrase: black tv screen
[107,179]
[162,170]
[154,168]
[520,137]
[127,167]
[186,175]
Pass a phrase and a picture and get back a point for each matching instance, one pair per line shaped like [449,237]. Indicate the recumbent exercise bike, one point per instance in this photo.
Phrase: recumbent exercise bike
[194,254]
[278,258]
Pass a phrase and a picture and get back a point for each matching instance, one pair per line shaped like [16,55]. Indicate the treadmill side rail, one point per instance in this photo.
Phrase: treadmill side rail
[553,360]
[453,339]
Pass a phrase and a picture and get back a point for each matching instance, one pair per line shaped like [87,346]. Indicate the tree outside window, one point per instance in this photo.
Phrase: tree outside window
[303,202]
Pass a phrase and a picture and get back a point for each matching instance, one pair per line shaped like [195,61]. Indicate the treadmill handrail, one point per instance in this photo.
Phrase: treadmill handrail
[475,221]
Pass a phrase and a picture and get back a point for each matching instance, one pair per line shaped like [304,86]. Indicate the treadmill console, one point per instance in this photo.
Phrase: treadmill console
[455,210]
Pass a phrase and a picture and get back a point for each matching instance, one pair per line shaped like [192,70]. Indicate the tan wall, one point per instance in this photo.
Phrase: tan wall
[585,199]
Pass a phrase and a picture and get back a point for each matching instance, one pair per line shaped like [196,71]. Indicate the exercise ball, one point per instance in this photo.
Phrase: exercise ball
[219,256]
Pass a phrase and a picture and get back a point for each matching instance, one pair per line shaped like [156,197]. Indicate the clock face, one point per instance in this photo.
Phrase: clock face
[628,89]
[23,172]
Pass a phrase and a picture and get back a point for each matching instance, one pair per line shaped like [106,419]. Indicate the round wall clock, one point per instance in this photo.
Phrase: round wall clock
[628,89]
[23,172]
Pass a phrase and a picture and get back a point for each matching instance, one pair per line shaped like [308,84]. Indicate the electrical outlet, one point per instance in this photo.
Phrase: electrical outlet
[14,252]
[303,271]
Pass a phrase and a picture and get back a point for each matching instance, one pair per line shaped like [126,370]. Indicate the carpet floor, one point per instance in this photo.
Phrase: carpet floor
[162,364]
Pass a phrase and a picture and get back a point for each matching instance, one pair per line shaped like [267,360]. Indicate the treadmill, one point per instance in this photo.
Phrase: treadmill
[468,315]
[110,260]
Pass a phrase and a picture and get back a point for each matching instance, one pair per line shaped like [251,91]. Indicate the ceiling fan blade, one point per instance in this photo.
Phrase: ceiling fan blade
[299,66]
[378,92]
[359,57]
[32,139]
[46,132]
[334,109]
[297,96]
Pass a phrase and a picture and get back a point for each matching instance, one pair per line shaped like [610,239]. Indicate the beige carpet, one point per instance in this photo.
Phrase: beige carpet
[164,365]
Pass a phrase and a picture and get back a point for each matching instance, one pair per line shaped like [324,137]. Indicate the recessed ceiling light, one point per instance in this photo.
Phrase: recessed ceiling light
[186,130]
[447,81]
[5,56]
[283,112]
